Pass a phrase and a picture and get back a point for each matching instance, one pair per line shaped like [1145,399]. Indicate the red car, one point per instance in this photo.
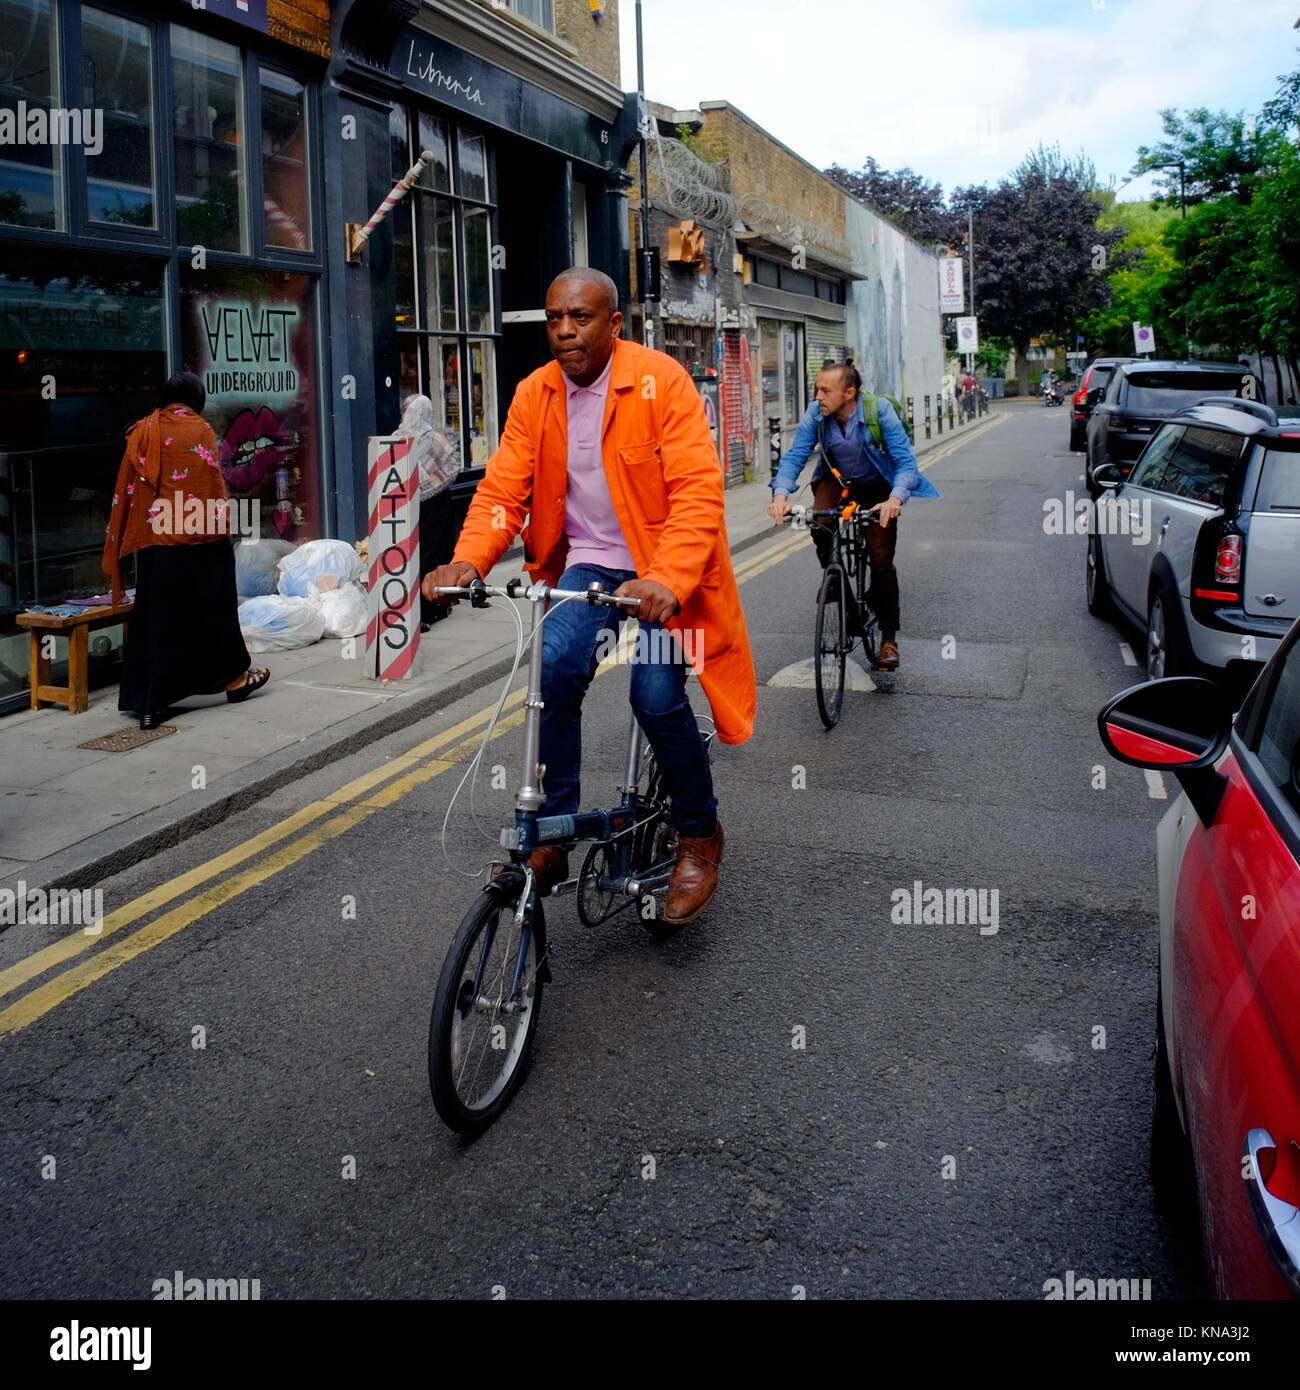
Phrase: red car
[1227,1105]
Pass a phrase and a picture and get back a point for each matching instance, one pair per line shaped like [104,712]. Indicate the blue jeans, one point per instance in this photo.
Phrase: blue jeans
[572,649]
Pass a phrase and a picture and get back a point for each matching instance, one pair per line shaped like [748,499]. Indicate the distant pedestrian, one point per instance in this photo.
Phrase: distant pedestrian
[171,509]
[434,454]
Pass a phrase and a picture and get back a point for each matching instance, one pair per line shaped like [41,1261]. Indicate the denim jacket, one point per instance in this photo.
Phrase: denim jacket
[896,461]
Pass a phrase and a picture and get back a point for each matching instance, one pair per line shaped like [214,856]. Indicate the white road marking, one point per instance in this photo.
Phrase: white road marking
[1155,785]
[799,675]
[1127,653]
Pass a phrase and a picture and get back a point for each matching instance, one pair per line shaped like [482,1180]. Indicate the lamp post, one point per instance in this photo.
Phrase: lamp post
[1181,166]
[643,260]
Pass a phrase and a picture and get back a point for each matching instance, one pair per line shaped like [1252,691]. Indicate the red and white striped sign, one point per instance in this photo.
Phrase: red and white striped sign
[393,632]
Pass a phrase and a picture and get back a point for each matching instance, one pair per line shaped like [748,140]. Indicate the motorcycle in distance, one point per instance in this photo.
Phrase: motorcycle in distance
[1053,392]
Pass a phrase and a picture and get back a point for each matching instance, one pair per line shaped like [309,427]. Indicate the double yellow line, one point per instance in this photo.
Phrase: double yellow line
[307,830]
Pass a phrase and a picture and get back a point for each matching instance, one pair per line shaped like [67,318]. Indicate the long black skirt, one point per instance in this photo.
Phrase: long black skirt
[184,636]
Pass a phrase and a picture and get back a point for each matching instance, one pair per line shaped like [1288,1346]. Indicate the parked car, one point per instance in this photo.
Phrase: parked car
[1225,1135]
[1140,396]
[1095,376]
[1200,544]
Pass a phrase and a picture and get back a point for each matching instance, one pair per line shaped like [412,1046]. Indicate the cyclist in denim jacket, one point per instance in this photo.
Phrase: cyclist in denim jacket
[880,479]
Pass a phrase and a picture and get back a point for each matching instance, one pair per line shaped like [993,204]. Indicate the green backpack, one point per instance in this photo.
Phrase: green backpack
[871,410]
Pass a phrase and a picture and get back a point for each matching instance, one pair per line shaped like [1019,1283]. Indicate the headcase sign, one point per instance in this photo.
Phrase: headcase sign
[437,69]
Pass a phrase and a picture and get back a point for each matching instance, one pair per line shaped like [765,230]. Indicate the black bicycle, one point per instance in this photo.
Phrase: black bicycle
[844,613]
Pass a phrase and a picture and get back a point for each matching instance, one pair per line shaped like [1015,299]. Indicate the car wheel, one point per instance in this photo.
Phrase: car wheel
[1098,587]
[1166,650]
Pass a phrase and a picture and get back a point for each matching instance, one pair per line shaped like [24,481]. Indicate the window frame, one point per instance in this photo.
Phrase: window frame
[426,341]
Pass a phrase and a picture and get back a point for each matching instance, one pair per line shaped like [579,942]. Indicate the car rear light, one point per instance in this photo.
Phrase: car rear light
[1227,560]
[1219,595]
[1080,396]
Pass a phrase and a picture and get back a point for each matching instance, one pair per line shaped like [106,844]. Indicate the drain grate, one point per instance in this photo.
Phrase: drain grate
[124,740]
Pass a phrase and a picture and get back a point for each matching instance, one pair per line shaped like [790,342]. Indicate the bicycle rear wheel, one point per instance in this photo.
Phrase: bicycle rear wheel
[830,648]
[482,1027]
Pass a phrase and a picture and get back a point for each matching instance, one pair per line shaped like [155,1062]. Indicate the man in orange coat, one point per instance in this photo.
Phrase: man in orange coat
[607,453]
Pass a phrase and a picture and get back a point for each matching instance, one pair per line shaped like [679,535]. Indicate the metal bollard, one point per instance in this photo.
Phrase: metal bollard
[910,405]
[951,425]
[927,417]
[774,436]
[938,411]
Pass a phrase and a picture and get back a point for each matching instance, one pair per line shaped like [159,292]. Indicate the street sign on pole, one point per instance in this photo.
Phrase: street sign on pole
[968,335]
[1144,339]
[952,292]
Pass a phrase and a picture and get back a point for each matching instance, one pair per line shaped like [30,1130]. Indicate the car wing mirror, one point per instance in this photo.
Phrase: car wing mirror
[1095,395]
[1108,475]
[1179,725]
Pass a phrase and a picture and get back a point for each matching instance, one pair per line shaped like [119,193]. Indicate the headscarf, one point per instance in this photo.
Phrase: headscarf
[184,388]
[432,450]
[170,463]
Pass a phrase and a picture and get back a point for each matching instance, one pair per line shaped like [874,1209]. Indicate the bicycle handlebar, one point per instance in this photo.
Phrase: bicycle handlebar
[478,593]
[807,513]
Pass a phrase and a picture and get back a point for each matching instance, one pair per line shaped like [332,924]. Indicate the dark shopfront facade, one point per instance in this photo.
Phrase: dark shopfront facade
[187,230]
[529,148]
[206,231]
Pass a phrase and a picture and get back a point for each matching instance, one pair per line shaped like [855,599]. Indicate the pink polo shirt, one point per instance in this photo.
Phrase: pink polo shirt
[590,522]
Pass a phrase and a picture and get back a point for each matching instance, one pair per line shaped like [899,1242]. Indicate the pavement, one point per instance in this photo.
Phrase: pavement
[70,816]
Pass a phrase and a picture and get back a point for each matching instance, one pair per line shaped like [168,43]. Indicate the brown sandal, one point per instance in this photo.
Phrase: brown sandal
[254,679]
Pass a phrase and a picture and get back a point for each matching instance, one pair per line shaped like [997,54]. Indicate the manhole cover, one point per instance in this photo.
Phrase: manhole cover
[123,740]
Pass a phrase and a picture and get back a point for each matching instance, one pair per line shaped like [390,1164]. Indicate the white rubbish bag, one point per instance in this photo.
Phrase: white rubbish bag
[324,565]
[345,611]
[279,623]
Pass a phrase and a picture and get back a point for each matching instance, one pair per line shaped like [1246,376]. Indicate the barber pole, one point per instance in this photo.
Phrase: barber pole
[399,191]
[393,632]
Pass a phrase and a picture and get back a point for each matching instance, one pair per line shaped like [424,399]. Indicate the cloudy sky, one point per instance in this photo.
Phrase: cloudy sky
[960,89]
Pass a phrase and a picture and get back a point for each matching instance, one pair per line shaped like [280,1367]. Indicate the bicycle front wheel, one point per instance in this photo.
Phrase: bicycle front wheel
[830,649]
[485,1012]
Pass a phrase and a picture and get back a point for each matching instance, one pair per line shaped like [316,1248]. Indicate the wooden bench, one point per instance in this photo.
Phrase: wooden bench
[76,628]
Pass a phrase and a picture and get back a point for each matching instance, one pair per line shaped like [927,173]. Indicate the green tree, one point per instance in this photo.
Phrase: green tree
[1143,288]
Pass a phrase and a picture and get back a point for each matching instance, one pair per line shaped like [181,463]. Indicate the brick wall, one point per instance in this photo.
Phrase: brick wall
[595,39]
[765,169]
[303,23]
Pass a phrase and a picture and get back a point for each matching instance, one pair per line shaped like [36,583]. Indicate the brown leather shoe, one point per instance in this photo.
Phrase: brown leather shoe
[887,657]
[549,864]
[695,876]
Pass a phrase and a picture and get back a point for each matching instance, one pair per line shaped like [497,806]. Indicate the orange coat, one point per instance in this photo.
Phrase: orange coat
[665,482]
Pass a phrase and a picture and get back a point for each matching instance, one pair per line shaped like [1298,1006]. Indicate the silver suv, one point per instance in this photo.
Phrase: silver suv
[1200,544]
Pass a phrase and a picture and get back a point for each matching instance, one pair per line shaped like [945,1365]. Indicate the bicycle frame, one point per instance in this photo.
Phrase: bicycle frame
[531,831]
[848,551]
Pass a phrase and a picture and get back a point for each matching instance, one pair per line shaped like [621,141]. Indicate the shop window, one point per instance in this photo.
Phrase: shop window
[438,262]
[433,137]
[285,184]
[97,330]
[31,174]
[117,60]
[251,336]
[473,167]
[478,271]
[207,89]
[445,308]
